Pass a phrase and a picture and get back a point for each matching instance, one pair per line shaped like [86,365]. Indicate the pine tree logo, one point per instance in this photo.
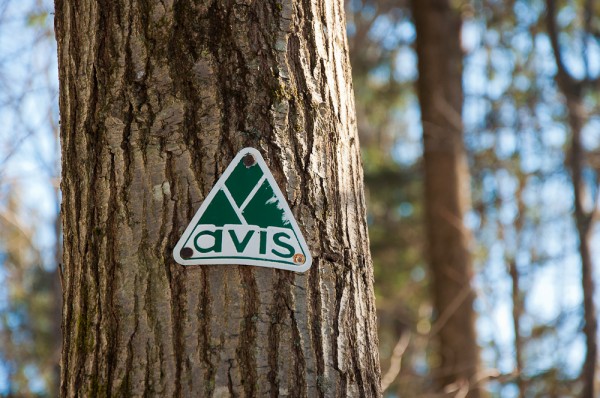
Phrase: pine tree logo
[244,220]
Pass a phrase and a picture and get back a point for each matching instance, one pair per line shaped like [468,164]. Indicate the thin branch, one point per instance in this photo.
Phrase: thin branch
[450,310]
[587,24]
[395,361]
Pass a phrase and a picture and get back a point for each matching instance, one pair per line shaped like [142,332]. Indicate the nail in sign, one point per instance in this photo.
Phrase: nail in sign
[244,220]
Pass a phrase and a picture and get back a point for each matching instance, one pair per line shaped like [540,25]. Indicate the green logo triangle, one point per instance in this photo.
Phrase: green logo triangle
[245,219]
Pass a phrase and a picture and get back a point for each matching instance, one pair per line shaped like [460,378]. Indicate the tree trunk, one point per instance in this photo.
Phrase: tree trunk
[517,295]
[517,313]
[584,221]
[573,91]
[447,192]
[156,98]
[56,295]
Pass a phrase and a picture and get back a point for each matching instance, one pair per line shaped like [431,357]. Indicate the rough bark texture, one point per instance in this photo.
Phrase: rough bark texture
[447,192]
[156,99]
[57,297]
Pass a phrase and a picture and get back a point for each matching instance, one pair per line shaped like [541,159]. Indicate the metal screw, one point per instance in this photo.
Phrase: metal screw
[299,258]
[249,160]
[186,252]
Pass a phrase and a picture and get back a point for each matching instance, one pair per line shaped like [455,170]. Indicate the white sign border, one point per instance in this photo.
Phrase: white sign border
[286,208]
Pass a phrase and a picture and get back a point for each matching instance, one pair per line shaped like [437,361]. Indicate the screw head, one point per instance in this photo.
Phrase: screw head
[249,160]
[299,258]
[186,252]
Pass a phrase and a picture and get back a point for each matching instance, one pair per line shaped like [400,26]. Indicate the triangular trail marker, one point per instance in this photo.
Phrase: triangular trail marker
[245,219]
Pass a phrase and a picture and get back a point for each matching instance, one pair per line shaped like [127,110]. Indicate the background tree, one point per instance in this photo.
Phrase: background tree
[381,36]
[28,330]
[155,101]
[447,198]
[29,199]
[585,190]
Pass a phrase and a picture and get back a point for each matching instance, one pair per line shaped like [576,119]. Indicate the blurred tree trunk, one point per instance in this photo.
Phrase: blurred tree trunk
[584,222]
[573,91]
[517,295]
[447,192]
[156,98]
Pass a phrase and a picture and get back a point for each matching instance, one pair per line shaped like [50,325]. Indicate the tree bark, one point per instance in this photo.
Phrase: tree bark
[57,294]
[447,192]
[156,98]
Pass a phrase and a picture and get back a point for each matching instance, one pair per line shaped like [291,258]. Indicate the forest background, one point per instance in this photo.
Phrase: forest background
[520,140]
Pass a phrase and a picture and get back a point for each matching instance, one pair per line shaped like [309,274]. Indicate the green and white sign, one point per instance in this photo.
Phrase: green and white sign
[244,220]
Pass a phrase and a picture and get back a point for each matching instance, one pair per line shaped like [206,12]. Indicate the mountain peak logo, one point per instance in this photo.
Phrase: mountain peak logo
[245,219]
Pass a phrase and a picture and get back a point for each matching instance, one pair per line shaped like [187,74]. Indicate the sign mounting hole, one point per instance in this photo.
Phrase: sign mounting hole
[249,160]
[186,253]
